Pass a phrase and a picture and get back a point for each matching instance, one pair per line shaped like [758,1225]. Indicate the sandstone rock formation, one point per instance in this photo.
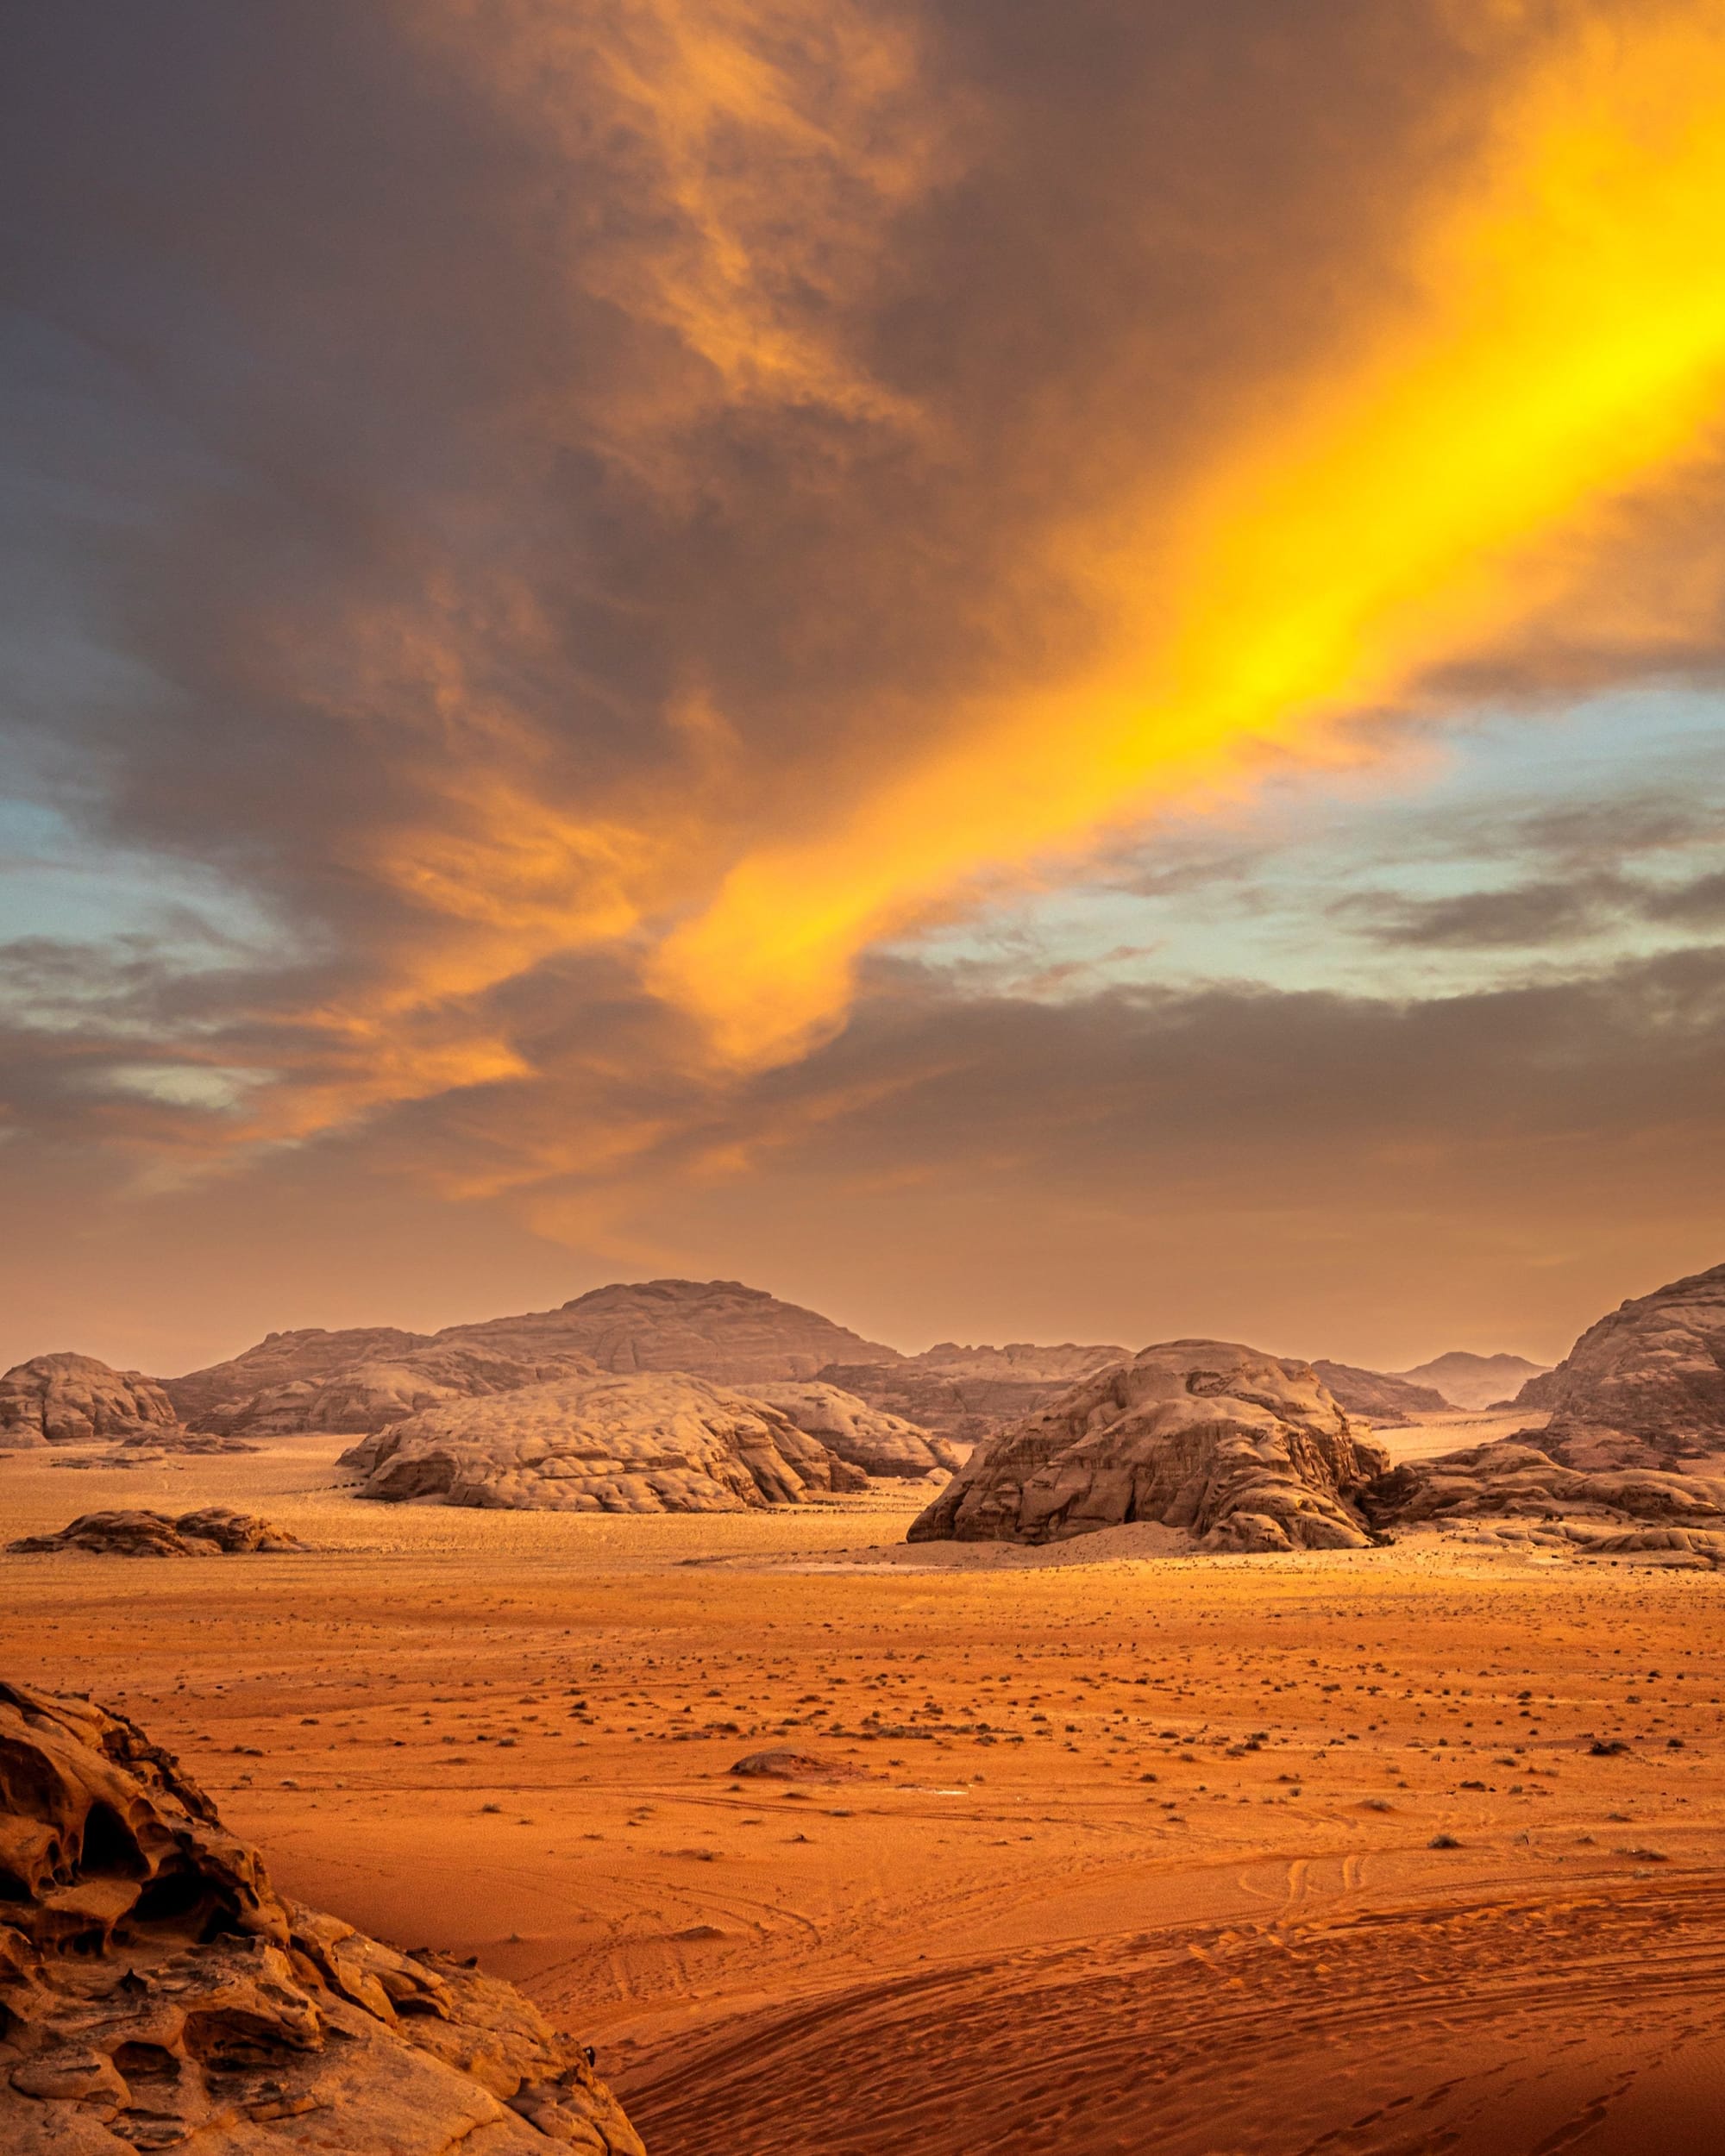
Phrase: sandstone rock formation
[155,1989]
[1511,1480]
[1242,1451]
[1391,1402]
[285,1358]
[716,1329]
[213,1531]
[355,1381]
[654,1443]
[1646,1385]
[75,1399]
[868,1437]
[967,1394]
[1473,1381]
[354,1399]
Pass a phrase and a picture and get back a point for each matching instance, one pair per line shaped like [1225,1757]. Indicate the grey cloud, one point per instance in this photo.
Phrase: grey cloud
[1526,916]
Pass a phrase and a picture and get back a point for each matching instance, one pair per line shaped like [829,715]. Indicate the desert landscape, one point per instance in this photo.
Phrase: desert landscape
[863,1078]
[828,1826]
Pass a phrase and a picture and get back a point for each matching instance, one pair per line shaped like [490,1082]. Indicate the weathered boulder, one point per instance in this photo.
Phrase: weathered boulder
[716,1329]
[1391,1402]
[1243,1451]
[1645,1384]
[212,1530]
[1473,1381]
[354,1399]
[967,1394]
[1512,1479]
[866,1436]
[653,1443]
[75,1399]
[784,1765]
[154,1988]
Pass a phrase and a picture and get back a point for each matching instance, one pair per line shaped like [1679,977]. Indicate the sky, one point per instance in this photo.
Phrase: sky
[1022,672]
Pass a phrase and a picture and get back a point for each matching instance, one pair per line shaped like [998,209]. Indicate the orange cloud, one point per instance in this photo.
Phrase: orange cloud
[1558,337]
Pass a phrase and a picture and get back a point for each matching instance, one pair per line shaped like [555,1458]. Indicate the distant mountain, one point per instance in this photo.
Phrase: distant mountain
[1391,1402]
[1474,1381]
[966,1394]
[716,1329]
[309,1356]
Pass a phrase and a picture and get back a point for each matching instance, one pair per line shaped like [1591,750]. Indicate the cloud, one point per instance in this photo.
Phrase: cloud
[573,526]
[1528,914]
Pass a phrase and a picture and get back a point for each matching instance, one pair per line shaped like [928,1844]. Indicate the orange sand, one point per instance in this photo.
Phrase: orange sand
[1141,1859]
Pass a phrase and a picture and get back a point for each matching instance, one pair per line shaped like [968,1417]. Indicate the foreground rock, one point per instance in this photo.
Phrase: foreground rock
[1512,1480]
[154,1988]
[967,1394]
[602,1444]
[75,1399]
[215,1531]
[1645,1386]
[870,1439]
[1473,1381]
[1242,1451]
[1392,1402]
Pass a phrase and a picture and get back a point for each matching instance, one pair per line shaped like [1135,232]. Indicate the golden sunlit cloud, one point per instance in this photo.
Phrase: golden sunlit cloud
[1557,337]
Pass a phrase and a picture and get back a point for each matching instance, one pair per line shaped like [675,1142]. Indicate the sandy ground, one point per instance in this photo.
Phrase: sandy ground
[1134,1852]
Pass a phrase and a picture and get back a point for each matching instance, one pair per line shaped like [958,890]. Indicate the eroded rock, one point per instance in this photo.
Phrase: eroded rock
[154,1989]
[870,1439]
[653,1443]
[75,1399]
[1645,1386]
[1242,1451]
[1513,1480]
[213,1531]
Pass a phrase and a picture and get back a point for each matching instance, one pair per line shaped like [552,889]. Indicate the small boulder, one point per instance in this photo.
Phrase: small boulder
[214,1530]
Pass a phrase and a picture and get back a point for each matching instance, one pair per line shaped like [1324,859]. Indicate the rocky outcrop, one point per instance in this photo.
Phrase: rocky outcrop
[1647,1384]
[155,1989]
[1391,1402]
[309,1355]
[1514,1480]
[75,1399]
[355,1381]
[967,1394]
[870,1439]
[1242,1451]
[716,1329]
[658,1443]
[1473,1381]
[214,1530]
[356,1399]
